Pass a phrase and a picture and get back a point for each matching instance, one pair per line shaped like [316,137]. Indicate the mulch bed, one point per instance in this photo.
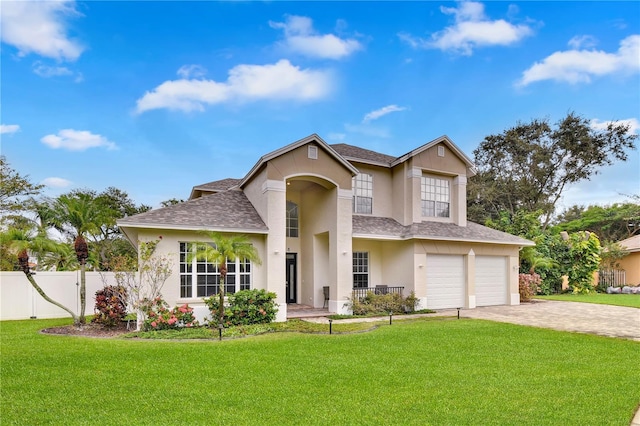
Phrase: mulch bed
[92,330]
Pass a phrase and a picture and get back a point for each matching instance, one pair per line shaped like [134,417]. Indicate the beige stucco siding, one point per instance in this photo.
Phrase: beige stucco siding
[382,188]
[254,192]
[297,162]
[428,160]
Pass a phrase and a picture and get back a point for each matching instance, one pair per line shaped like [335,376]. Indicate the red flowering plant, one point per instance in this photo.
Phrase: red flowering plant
[158,316]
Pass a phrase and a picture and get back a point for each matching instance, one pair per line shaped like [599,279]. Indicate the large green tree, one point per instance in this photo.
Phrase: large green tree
[530,165]
[611,223]
[14,187]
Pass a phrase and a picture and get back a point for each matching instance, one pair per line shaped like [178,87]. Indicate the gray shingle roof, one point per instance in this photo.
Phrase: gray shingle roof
[382,227]
[223,210]
[218,185]
[355,153]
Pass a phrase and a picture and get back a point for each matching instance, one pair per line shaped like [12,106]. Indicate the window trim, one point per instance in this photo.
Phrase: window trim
[439,208]
[360,260]
[289,219]
[239,274]
[361,193]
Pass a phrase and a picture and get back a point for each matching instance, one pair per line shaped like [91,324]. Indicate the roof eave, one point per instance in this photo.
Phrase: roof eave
[190,228]
[437,238]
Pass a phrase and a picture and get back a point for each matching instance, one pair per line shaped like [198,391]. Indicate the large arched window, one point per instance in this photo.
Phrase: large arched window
[292,219]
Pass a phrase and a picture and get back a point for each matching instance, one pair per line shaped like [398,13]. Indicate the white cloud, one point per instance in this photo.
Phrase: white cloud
[77,140]
[584,41]
[300,37]
[374,115]
[56,182]
[472,29]
[46,71]
[279,81]
[39,27]
[579,66]
[9,128]
[633,123]
[191,71]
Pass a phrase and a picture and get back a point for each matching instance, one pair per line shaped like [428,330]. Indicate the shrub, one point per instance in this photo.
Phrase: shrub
[245,307]
[373,304]
[110,306]
[158,316]
[528,285]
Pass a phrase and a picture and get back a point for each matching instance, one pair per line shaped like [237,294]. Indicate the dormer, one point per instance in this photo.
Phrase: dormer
[430,184]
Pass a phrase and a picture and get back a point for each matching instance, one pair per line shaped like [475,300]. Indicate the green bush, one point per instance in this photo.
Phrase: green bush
[373,304]
[245,307]
[110,306]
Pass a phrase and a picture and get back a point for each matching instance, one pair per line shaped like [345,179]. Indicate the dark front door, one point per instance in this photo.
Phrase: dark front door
[292,274]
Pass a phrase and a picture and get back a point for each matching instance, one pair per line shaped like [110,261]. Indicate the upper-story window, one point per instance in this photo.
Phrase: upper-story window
[435,197]
[362,193]
[292,219]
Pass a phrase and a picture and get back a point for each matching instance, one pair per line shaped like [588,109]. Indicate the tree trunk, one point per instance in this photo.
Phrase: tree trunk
[76,320]
[221,307]
[83,292]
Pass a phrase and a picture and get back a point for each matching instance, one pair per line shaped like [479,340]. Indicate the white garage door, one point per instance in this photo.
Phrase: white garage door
[491,280]
[445,281]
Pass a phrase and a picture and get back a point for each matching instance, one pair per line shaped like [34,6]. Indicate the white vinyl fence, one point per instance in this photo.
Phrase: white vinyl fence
[19,300]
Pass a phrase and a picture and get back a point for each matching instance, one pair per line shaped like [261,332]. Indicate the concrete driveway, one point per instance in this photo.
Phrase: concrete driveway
[605,320]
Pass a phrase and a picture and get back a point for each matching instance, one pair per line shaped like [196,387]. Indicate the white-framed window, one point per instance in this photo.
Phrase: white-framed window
[362,193]
[360,269]
[435,194]
[202,279]
[292,219]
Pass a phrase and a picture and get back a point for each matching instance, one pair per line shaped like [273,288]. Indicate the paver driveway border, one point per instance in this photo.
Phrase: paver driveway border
[591,318]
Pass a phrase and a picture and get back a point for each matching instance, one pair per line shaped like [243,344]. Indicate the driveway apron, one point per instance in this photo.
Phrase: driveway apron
[604,320]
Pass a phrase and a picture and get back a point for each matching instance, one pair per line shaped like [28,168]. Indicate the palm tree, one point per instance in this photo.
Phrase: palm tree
[22,242]
[78,215]
[225,249]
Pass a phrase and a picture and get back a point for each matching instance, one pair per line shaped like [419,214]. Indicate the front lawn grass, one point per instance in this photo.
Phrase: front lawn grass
[412,372]
[629,300]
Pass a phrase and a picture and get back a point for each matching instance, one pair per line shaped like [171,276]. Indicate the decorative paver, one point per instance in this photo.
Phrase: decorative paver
[591,318]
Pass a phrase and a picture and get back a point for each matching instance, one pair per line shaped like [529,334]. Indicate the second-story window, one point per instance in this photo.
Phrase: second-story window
[292,219]
[435,197]
[362,193]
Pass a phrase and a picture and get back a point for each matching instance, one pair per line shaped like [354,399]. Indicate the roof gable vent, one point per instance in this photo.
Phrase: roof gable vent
[312,152]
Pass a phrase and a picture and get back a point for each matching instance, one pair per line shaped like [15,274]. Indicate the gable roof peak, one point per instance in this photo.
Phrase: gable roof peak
[312,138]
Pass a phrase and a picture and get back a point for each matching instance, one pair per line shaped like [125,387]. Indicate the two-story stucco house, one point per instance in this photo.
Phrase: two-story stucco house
[342,217]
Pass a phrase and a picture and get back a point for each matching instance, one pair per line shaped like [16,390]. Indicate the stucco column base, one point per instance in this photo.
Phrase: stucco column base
[281,315]
[471,302]
[342,307]
[421,303]
[514,299]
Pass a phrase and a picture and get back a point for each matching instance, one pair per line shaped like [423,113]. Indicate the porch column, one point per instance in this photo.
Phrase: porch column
[340,253]
[276,244]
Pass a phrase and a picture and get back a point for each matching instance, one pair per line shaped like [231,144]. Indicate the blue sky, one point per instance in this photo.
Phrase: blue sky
[156,97]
